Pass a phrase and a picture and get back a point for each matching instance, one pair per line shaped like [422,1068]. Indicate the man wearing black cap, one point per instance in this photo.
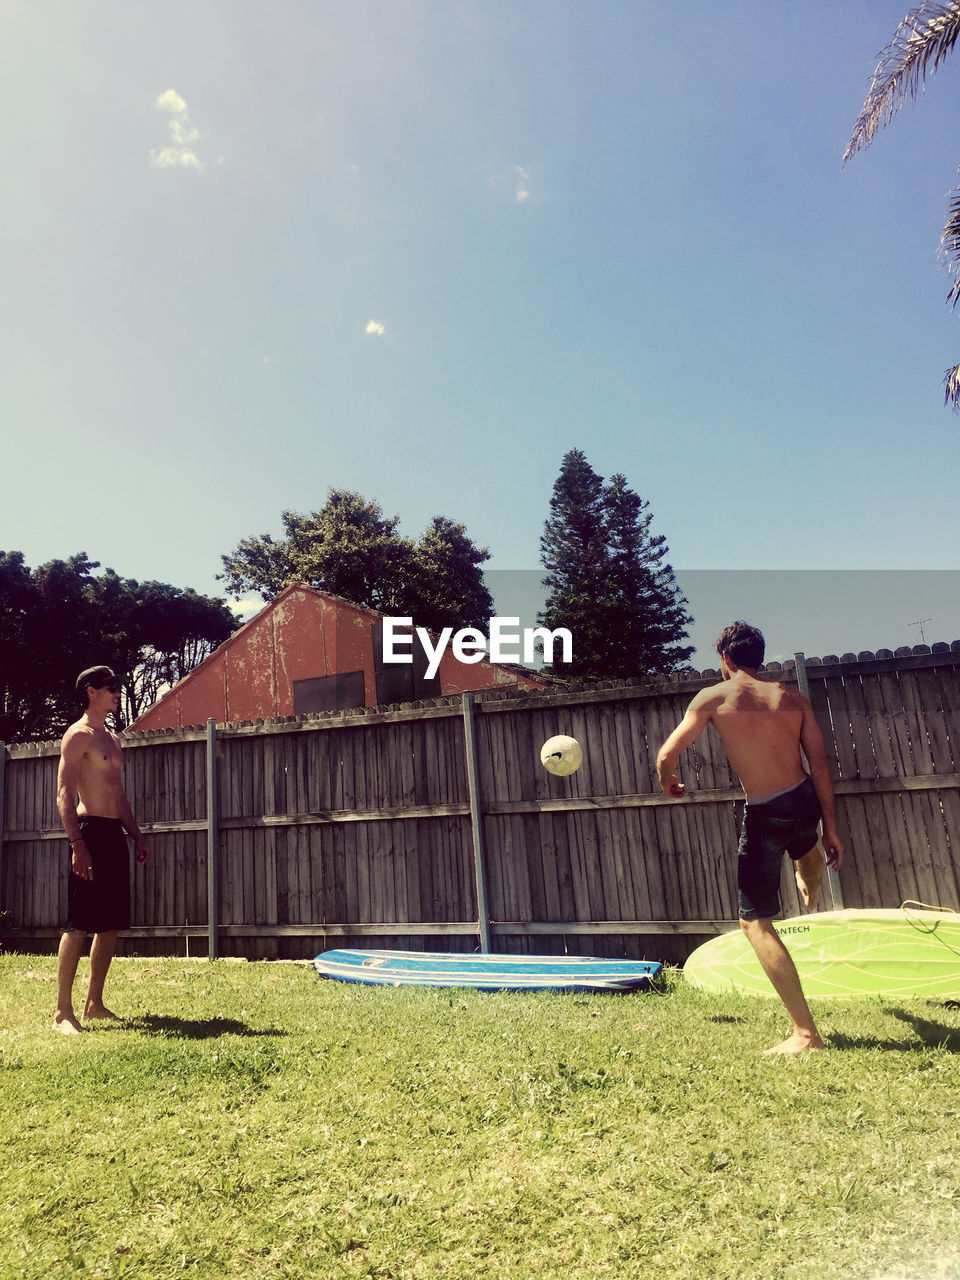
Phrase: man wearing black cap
[95,813]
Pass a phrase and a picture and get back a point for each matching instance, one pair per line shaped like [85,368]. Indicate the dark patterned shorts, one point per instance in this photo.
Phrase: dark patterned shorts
[787,823]
[103,903]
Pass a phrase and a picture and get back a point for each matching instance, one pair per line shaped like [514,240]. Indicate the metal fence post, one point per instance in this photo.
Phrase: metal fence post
[213,842]
[833,880]
[476,821]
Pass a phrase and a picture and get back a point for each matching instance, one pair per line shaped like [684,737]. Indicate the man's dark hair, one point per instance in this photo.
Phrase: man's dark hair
[742,644]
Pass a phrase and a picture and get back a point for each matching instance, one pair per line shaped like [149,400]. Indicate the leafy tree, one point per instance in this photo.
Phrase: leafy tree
[21,697]
[920,44]
[177,629]
[445,579]
[61,618]
[607,581]
[350,549]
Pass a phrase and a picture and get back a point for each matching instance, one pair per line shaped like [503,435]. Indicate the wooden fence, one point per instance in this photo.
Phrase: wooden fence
[385,827]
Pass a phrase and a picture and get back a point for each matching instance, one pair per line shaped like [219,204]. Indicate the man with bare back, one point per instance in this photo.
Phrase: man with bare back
[95,813]
[763,727]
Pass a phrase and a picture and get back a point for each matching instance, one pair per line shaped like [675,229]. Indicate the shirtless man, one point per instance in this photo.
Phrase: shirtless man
[763,727]
[98,894]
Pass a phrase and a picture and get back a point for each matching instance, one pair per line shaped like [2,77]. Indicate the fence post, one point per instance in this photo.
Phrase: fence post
[833,880]
[476,821]
[213,842]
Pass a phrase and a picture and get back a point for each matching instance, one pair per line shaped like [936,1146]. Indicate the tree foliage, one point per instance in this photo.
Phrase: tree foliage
[573,552]
[607,579]
[920,44]
[350,549]
[61,618]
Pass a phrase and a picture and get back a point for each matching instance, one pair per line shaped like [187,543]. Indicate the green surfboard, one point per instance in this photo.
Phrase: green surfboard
[910,951]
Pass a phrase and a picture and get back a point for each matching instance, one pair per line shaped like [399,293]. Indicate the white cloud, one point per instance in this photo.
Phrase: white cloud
[517,181]
[180,155]
[181,135]
[376,328]
[171,101]
[175,158]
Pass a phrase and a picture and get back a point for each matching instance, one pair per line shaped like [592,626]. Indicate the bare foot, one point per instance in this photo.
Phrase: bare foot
[799,1042]
[67,1024]
[99,1011]
[809,889]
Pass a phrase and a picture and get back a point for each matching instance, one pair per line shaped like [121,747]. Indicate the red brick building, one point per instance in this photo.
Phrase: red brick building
[309,651]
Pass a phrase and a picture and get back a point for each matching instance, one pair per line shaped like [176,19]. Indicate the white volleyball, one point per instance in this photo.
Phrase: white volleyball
[561,755]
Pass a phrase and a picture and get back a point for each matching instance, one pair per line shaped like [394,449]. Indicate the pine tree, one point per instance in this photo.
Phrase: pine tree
[607,581]
[646,612]
[573,552]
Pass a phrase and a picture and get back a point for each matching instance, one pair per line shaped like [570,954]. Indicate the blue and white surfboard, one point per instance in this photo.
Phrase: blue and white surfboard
[487,972]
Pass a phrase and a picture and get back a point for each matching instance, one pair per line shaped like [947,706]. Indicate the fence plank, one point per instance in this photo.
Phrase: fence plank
[840,719]
[916,721]
[878,726]
[895,715]
[948,684]
[866,761]
[932,716]
[819,700]
[861,883]
[950,811]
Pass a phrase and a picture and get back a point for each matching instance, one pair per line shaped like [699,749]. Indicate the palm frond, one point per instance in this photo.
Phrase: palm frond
[921,42]
[950,246]
[951,388]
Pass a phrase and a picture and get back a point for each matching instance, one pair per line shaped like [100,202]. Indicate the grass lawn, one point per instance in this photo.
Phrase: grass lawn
[251,1120]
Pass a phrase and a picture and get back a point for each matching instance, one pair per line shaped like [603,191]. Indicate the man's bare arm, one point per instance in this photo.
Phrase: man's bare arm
[687,731]
[811,739]
[130,826]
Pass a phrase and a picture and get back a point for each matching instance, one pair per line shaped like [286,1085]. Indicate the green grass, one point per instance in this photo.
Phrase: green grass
[251,1120]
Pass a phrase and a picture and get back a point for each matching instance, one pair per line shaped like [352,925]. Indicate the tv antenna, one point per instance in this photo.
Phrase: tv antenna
[919,623]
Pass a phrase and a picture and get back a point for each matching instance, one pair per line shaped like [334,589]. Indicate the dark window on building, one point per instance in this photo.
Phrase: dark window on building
[402,681]
[328,693]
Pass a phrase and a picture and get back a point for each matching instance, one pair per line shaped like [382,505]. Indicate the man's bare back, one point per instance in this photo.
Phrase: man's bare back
[760,725]
[763,727]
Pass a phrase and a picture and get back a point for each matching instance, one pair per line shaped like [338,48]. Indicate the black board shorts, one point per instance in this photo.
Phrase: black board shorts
[103,903]
[785,823]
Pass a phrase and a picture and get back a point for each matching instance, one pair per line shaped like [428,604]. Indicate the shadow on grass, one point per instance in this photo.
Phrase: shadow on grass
[933,1034]
[930,1035]
[837,1040]
[195,1028]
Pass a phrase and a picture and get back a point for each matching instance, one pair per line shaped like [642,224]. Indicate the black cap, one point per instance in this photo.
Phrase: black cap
[96,678]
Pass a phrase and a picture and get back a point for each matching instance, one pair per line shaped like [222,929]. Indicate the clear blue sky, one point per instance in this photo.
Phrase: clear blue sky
[421,248]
